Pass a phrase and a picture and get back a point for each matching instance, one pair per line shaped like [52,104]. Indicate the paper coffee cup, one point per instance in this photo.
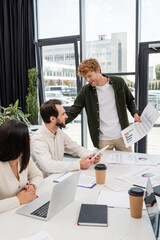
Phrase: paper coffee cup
[100,170]
[136,202]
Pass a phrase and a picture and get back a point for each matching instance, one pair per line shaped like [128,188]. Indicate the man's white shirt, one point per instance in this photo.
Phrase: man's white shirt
[48,151]
[109,122]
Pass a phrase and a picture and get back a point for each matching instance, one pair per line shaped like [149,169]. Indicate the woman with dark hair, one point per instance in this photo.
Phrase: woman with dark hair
[19,175]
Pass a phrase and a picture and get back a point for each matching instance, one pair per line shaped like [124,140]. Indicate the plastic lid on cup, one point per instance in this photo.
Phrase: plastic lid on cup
[136,192]
[100,166]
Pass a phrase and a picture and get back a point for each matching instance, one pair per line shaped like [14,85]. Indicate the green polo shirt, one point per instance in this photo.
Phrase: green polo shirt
[87,98]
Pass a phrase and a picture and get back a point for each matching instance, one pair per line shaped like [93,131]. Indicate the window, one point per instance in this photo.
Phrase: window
[110,29]
[57,18]
[150,20]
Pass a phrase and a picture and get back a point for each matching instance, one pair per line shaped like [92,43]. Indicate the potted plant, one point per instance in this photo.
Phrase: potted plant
[13,112]
[31,98]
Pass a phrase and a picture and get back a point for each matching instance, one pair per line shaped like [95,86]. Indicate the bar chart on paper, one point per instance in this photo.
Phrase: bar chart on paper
[138,130]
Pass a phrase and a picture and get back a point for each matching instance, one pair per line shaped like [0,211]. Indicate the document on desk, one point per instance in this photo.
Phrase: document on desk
[114,199]
[42,235]
[140,176]
[138,130]
[87,181]
[133,158]
[84,181]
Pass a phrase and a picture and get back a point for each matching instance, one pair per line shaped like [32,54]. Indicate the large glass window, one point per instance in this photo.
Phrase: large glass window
[59,73]
[110,34]
[57,18]
[154,99]
[150,20]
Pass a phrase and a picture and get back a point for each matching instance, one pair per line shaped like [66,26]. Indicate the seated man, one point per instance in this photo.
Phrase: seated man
[49,143]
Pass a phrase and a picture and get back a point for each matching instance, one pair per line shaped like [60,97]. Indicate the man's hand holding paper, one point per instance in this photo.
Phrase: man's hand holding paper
[137,118]
[141,127]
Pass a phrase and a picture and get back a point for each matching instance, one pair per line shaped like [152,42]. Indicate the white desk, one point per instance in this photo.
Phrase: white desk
[63,226]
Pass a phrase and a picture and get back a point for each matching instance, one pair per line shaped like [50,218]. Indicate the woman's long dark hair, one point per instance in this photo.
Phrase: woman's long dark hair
[14,141]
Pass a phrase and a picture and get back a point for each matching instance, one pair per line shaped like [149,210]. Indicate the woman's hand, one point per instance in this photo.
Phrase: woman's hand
[26,196]
[30,187]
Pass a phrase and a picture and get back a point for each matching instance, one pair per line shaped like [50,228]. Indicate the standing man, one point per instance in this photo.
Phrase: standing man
[49,143]
[106,100]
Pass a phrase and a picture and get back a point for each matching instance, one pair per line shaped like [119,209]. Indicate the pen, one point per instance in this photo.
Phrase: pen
[135,185]
[25,187]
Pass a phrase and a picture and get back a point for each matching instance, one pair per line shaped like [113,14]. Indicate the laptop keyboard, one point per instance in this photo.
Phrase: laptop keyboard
[42,211]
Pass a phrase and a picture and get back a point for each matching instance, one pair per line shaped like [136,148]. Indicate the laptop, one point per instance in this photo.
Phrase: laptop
[152,209]
[47,205]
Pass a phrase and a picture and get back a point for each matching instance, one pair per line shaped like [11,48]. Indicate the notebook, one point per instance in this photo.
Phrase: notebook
[152,209]
[93,215]
[47,205]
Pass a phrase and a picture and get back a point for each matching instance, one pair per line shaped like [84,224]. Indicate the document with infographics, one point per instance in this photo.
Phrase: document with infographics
[138,130]
[133,158]
[140,176]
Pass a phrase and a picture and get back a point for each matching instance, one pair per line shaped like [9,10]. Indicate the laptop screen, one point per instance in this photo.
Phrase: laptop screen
[152,208]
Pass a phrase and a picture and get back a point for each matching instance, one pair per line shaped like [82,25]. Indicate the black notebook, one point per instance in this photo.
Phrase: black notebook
[93,215]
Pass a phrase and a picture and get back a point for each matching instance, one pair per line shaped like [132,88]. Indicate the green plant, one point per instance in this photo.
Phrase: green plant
[157,71]
[149,86]
[156,86]
[13,112]
[31,98]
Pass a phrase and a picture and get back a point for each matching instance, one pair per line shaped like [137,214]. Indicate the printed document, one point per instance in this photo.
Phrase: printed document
[114,199]
[141,176]
[42,235]
[138,130]
[133,158]
[84,181]
[87,181]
